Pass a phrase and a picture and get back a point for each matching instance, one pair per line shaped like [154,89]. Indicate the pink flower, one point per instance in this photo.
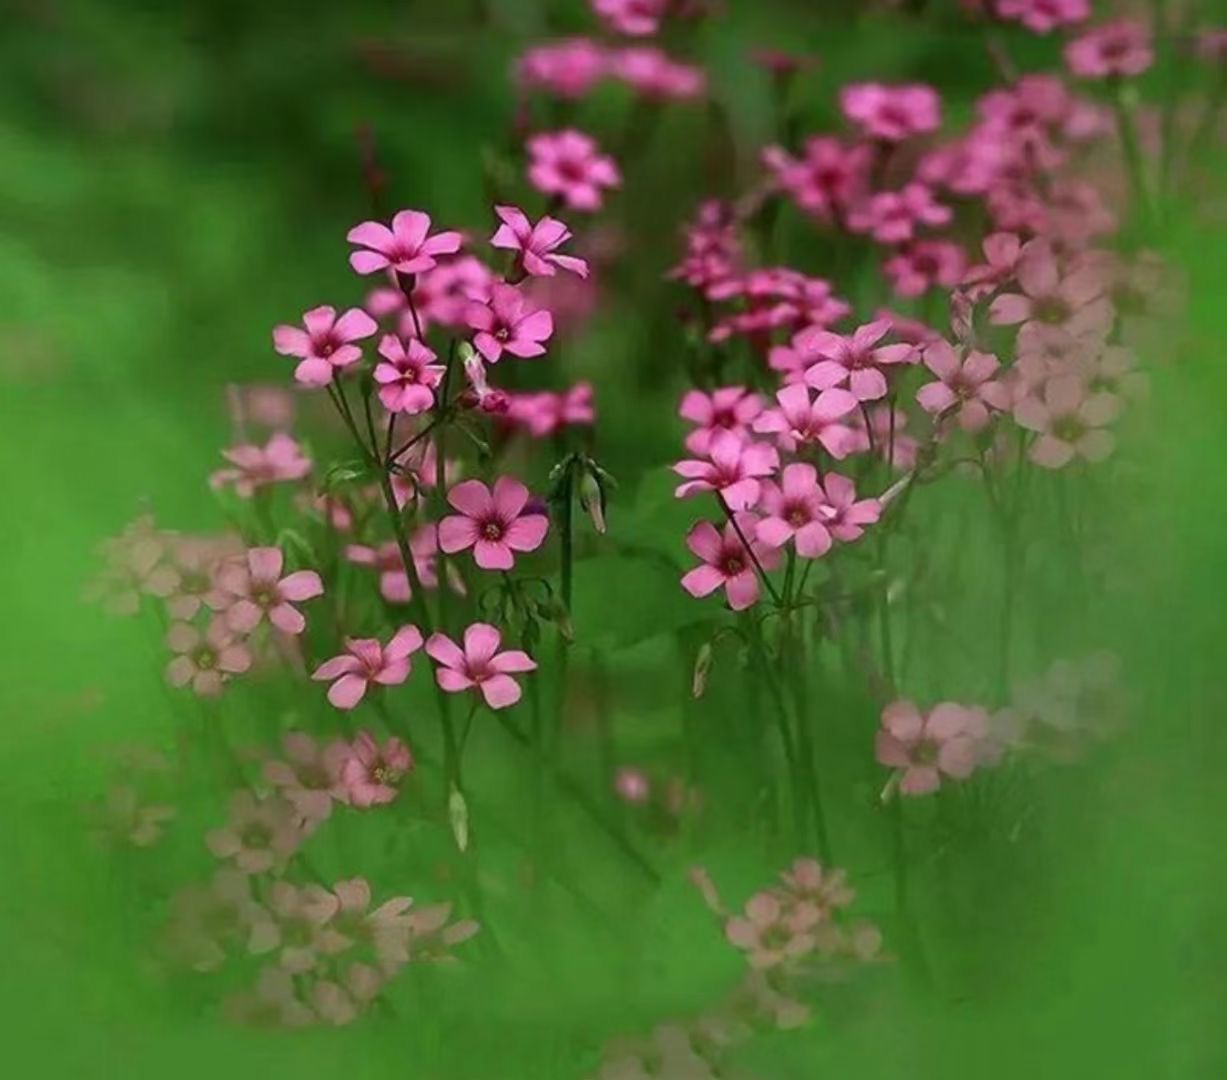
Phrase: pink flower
[545,413]
[135,567]
[394,585]
[1073,301]
[727,408]
[654,74]
[302,912]
[887,426]
[405,248]
[926,748]
[310,776]
[891,113]
[846,515]
[480,665]
[800,421]
[631,785]
[259,834]
[372,773]
[365,661]
[795,510]
[535,244]
[1070,422]
[493,523]
[1117,49]
[918,267]
[826,179]
[892,217]
[727,562]
[121,817]
[568,68]
[967,383]
[568,164]
[637,18]
[280,461]
[205,660]
[406,375]
[196,559]
[326,345]
[770,933]
[1042,16]
[855,359]
[733,470]
[506,323]
[255,590]
[1001,251]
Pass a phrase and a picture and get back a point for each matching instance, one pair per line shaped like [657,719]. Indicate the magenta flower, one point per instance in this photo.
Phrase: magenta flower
[506,323]
[733,470]
[545,413]
[406,247]
[371,774]
[652,73]
[569,165]
[796,510]
[855,360]
[254,467]
[1073,301]
[1118,49]
[919,267]
[1070,422]
[891,113]
[479,665]
[635,18]
[727,562]
[365,661]
[828,177]
[727,408]
[494,523]
[535,244]
[967,383]
[892,217]
[204,661]
[928,747]
[846,516]
[568,68]
[406,375]
[258,835]
[309,777]
[257,591]
[326,345]
[800,421]
[1042,16]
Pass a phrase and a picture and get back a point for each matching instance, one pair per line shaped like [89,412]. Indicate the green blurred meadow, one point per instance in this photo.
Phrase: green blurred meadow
[176,179]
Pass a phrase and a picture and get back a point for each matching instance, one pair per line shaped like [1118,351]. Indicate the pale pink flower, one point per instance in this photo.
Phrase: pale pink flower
[196,560]
[1043,16]
[796,510]
[819,891]
[920,266]
[136,566]
[386,930]
[1070,422]
[255,591]
[632,785]
[568,68]
[207,920]
[967,386]
[327,343]
[302,914]
[494,523]
[508,323]
[652,73]
[309,777]
[726,561]
[927,747]
[845,514]
[405,248]
[826,179]
[366,661]
[270,407]
[1074,300]
[733,469]
[855,360]
[260,834]
[1001,251]
[280,461]
[636,18]
[272,1003]
[891,113]
[394,584]
[121,816]
[802,421]
[568,164]
[406,375]
[205,661]
[727,408]
[479,665]
[768,932]
[535,245]
[889,439]
[1118,49]
[371,774]
[893,217]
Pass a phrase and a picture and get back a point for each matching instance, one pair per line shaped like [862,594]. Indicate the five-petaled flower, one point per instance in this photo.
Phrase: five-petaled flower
[406,376]
[733,471]
[494,523]
[326,345]
[366,661]
[966,386]
[371,774]
[855,359]
[507,322]
[727,561]
[535,245]
[406,247]
[926,747]
[252,589]
[479,665]
[204,661]
[569,165]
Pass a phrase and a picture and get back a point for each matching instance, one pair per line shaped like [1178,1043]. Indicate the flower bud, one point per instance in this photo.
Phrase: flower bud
[592,497]
[702,667]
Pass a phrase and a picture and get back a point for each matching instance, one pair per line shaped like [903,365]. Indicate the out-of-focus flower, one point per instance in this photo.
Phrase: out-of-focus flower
[966,386]
[1118,49]
[926,747]
[371,773]
[568,164]
[727,408]
[280,461]
[204,661]
[260,834]
[855,359]
[891,113]
[1070,422]
[309,775]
